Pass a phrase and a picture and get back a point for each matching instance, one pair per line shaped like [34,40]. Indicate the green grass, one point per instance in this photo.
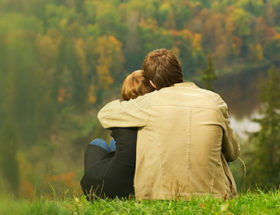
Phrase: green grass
[249,203]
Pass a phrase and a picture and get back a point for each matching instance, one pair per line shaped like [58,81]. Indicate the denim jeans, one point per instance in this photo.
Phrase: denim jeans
[102,143]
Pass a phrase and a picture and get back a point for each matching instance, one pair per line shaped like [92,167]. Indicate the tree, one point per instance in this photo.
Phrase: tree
[132,46]
[209,75]
[77,68]
[109,60]
[264,166]
[256,53]
[8,163]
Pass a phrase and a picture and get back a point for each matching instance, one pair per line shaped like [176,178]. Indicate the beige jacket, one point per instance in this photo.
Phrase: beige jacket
[184,140]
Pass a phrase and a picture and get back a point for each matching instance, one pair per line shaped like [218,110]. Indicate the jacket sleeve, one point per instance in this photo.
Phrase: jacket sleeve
[132,113]
[230,144]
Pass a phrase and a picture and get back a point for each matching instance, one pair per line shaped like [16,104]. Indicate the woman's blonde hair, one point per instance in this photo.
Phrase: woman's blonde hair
[135,85]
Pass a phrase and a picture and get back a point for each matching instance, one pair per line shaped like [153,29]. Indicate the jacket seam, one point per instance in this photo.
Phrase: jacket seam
[189,112]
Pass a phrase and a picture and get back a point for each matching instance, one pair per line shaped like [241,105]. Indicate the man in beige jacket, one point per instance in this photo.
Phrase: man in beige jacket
[184,139]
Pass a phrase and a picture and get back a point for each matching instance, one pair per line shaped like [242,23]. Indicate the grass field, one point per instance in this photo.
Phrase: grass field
[249,203]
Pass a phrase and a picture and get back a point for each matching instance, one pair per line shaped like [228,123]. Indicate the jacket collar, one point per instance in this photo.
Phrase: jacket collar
[186,84]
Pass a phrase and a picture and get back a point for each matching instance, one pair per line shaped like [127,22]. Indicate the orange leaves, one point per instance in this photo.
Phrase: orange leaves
[61,95]
[62,183]
[26,189]
[173,32]
[117,48]
[115,41]
[63,178]
[186,37]
[277,37]
[269,33]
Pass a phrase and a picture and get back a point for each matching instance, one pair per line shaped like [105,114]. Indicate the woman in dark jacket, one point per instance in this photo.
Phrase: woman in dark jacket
[109,172]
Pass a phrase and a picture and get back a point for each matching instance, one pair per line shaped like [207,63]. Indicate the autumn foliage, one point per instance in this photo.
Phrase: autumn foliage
[59,58]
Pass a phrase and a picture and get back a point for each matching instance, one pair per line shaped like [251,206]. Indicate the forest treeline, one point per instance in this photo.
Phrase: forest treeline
[60,57]
[78,49]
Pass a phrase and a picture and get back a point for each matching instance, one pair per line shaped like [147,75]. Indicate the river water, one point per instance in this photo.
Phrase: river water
[241,91]
[242,127]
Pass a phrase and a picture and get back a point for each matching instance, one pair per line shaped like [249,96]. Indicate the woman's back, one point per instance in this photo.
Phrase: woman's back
[112,174]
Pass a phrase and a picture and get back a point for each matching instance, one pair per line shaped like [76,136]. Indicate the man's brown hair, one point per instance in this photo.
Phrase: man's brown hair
[135,85]
[163,68]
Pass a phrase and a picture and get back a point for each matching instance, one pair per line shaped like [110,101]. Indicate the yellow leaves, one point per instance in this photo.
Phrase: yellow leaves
[47,50]
[186,34]
[117,47]
[238,14]
[104,77]
[91,93]
[277,38]
[230,27]
[259,52]
[114,40]
[63,23]
[108,51]
[242,20]
[148,23]
[104,8]
[196,42]
[47,46]
[165,7]
[256,52]
[104,50]
[167,15]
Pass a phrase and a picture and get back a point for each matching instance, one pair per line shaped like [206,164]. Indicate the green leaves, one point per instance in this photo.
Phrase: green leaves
[209,75]
[264,165]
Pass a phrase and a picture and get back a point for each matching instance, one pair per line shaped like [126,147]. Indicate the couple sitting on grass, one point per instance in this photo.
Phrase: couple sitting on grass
[170,139]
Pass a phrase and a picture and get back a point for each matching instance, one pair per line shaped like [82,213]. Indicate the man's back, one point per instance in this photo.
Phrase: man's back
[184,130]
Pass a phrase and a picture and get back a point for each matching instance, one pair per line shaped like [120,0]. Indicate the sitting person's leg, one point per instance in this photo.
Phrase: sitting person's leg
[91,182]
[95,151]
